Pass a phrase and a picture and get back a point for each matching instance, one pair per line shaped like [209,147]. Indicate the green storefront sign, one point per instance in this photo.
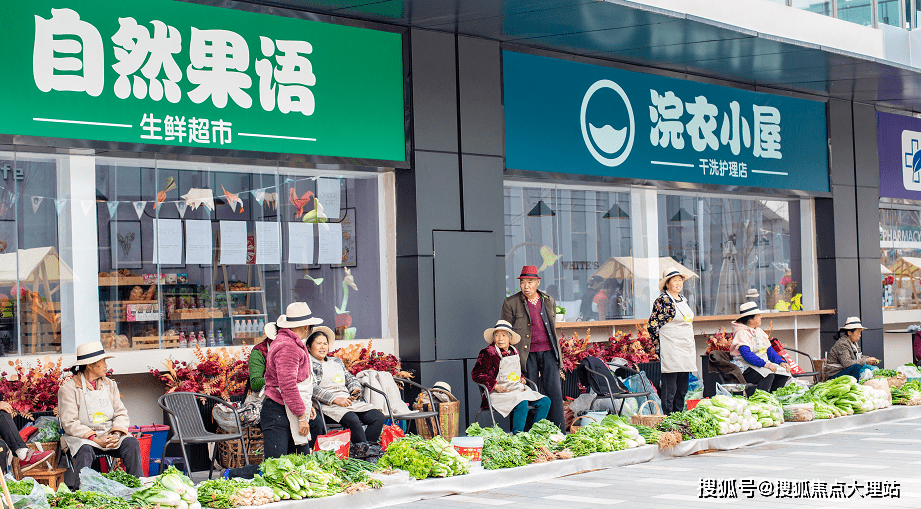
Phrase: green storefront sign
[174,73]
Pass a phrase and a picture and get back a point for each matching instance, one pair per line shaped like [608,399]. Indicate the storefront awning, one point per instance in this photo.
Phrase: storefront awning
[38,264]
[906,266]
[622,267]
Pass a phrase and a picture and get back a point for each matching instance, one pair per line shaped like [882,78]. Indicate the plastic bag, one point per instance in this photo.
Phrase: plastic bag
[866,372]
[91,480]
[49,429]
[337,441]
[694,383]
[36,499]
[641,383]
[910,371]
[391,434]
[225,418]
[721,391]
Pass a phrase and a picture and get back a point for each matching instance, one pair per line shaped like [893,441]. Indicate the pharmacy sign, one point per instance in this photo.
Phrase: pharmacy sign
[175,73]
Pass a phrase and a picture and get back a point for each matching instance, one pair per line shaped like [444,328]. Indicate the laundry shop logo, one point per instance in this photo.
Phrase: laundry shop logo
[608,125]
[911,160]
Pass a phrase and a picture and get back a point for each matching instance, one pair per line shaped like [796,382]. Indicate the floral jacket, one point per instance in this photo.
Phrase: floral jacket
[663,310]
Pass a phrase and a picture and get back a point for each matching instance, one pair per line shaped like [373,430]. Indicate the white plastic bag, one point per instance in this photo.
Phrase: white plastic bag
[909,371]
[36,499]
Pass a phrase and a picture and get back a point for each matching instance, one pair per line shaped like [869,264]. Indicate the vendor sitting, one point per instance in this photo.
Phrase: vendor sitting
[752,352]
[338,391]
[845,358]
[93,417]
[498,367]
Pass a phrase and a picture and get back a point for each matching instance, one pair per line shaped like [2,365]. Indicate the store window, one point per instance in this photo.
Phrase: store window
[166,254]
[900,253]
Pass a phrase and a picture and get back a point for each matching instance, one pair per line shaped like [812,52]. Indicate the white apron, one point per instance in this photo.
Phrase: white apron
[305,389]
[96,412]
[509,376]
[677,349]
[334,382]
[760,344]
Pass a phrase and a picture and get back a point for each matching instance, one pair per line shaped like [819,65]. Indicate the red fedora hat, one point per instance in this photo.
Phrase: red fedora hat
[529,272]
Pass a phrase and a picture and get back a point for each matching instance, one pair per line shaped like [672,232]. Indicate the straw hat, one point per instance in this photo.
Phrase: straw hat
[668,274]
[297,315]
[751,294]
[326,331]
[529,272]
[270,330]
[749,309]
[89,353]
[501,325]
[853,323]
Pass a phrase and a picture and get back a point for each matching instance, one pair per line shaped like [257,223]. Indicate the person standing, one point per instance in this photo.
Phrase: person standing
[588,298]
[670,328]
[532,314]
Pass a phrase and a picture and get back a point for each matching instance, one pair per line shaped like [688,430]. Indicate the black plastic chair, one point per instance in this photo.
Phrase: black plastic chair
[492,414]
[431,414]
[816,375]
[329,425]
[617,396]
[189,427]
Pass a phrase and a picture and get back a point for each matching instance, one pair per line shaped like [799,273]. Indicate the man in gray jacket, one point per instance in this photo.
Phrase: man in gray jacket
[532,314]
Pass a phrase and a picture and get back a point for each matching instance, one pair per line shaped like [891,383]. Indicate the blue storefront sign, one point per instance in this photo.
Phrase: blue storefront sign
[899,147]
[571,117]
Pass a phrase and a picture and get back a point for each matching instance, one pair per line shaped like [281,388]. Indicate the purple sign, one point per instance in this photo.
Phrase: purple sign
[899,156]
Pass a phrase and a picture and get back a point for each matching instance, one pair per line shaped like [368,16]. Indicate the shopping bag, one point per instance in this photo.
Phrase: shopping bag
[390,434]
[337,441]
[782,352]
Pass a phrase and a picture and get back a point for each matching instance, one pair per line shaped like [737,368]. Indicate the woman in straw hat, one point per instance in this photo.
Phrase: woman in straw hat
[752,352]
[670,327]
[339,392]
[93,417]
[498,367]
[845,358]
[286,413]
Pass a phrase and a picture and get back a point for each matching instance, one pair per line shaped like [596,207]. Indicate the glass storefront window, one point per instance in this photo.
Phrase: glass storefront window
[133,248]
[817,6]
[900,254]
[857,11]
[888,12]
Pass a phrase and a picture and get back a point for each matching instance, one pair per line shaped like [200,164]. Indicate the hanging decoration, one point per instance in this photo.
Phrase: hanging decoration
[259,195]
[167,187]
[299,202]
[343,317]
[36,202]
[181,206]
[59,204]
[197,197]
[139,207]
[232,200]
[549,258]
[317,281]
[272,198]
[316,215]
[113,208]
[87,206]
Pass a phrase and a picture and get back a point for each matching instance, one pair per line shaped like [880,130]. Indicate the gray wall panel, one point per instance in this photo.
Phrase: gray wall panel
[845,207]
[871,343]
[841,149]
[483,197]
[434,85]
[468,292]
[825,235]
[868,222]
[482,124]
[866,158]
[415,307]
[848,286]
[871,298]
[438,204]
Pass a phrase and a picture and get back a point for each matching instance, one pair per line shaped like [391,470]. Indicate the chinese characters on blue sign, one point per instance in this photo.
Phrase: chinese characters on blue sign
[695,133]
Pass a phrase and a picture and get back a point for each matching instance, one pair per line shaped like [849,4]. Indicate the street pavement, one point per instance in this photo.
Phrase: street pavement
[874,466]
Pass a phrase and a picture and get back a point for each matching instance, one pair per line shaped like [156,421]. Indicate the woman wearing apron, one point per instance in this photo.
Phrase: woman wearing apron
[287,417]
[671,328]
[338,391]
[93,417]
[752,353]
[498,367]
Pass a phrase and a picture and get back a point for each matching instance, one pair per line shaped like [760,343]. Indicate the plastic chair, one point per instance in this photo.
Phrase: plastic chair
[492,415]
[615,396]
[418,414]
[327,426]
[817,376]
[189,427]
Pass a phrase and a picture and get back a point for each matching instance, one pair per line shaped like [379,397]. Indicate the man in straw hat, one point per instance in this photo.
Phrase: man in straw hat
[498,367]
[845,357]
[93,417]
[289,384]
[532,315]
[752,352]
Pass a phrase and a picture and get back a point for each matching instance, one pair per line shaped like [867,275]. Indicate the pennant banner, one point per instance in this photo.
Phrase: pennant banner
[181,206]
[259,195]
[36,202]
[59,204]
[87,206]
[113,208]
[139,207]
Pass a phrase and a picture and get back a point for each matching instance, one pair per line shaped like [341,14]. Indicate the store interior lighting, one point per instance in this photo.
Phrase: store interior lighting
[615,213]
[541,210]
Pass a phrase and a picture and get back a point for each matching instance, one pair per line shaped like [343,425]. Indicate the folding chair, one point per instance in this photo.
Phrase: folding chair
[189,427]
[431,414]
[611,394]
[817,376]
[492,414]
[327,426]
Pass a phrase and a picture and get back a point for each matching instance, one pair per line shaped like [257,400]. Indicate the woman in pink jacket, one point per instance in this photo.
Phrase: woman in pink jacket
[287,413]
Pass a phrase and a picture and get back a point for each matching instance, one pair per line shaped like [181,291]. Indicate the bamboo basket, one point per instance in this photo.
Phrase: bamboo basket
[229,454]
[648,420]
[448,414]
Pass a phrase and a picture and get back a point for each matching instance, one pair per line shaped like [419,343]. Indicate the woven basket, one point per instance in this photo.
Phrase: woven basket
[448,414]
[647,420]
[229,454]
[45,446]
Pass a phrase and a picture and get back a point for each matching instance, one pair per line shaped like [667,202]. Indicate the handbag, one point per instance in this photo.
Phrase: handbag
[251,408]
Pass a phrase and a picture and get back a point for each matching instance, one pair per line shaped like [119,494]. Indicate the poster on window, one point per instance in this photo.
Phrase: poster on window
[349,243]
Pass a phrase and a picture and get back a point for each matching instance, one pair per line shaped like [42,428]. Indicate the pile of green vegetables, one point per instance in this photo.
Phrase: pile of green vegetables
[885,373]
[425,458]
[691,424]
[295,476]
[123,478]
[837,397]
[501,450]
[351,471]
[908,394]
[88,500]
[171,489]
[611,434]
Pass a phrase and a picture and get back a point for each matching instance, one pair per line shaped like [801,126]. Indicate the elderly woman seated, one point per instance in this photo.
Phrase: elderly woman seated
[338,391]
[498,367]
[93,417]
[845,357]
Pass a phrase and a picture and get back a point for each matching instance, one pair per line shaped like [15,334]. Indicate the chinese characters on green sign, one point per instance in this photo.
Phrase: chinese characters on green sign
[176,73]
